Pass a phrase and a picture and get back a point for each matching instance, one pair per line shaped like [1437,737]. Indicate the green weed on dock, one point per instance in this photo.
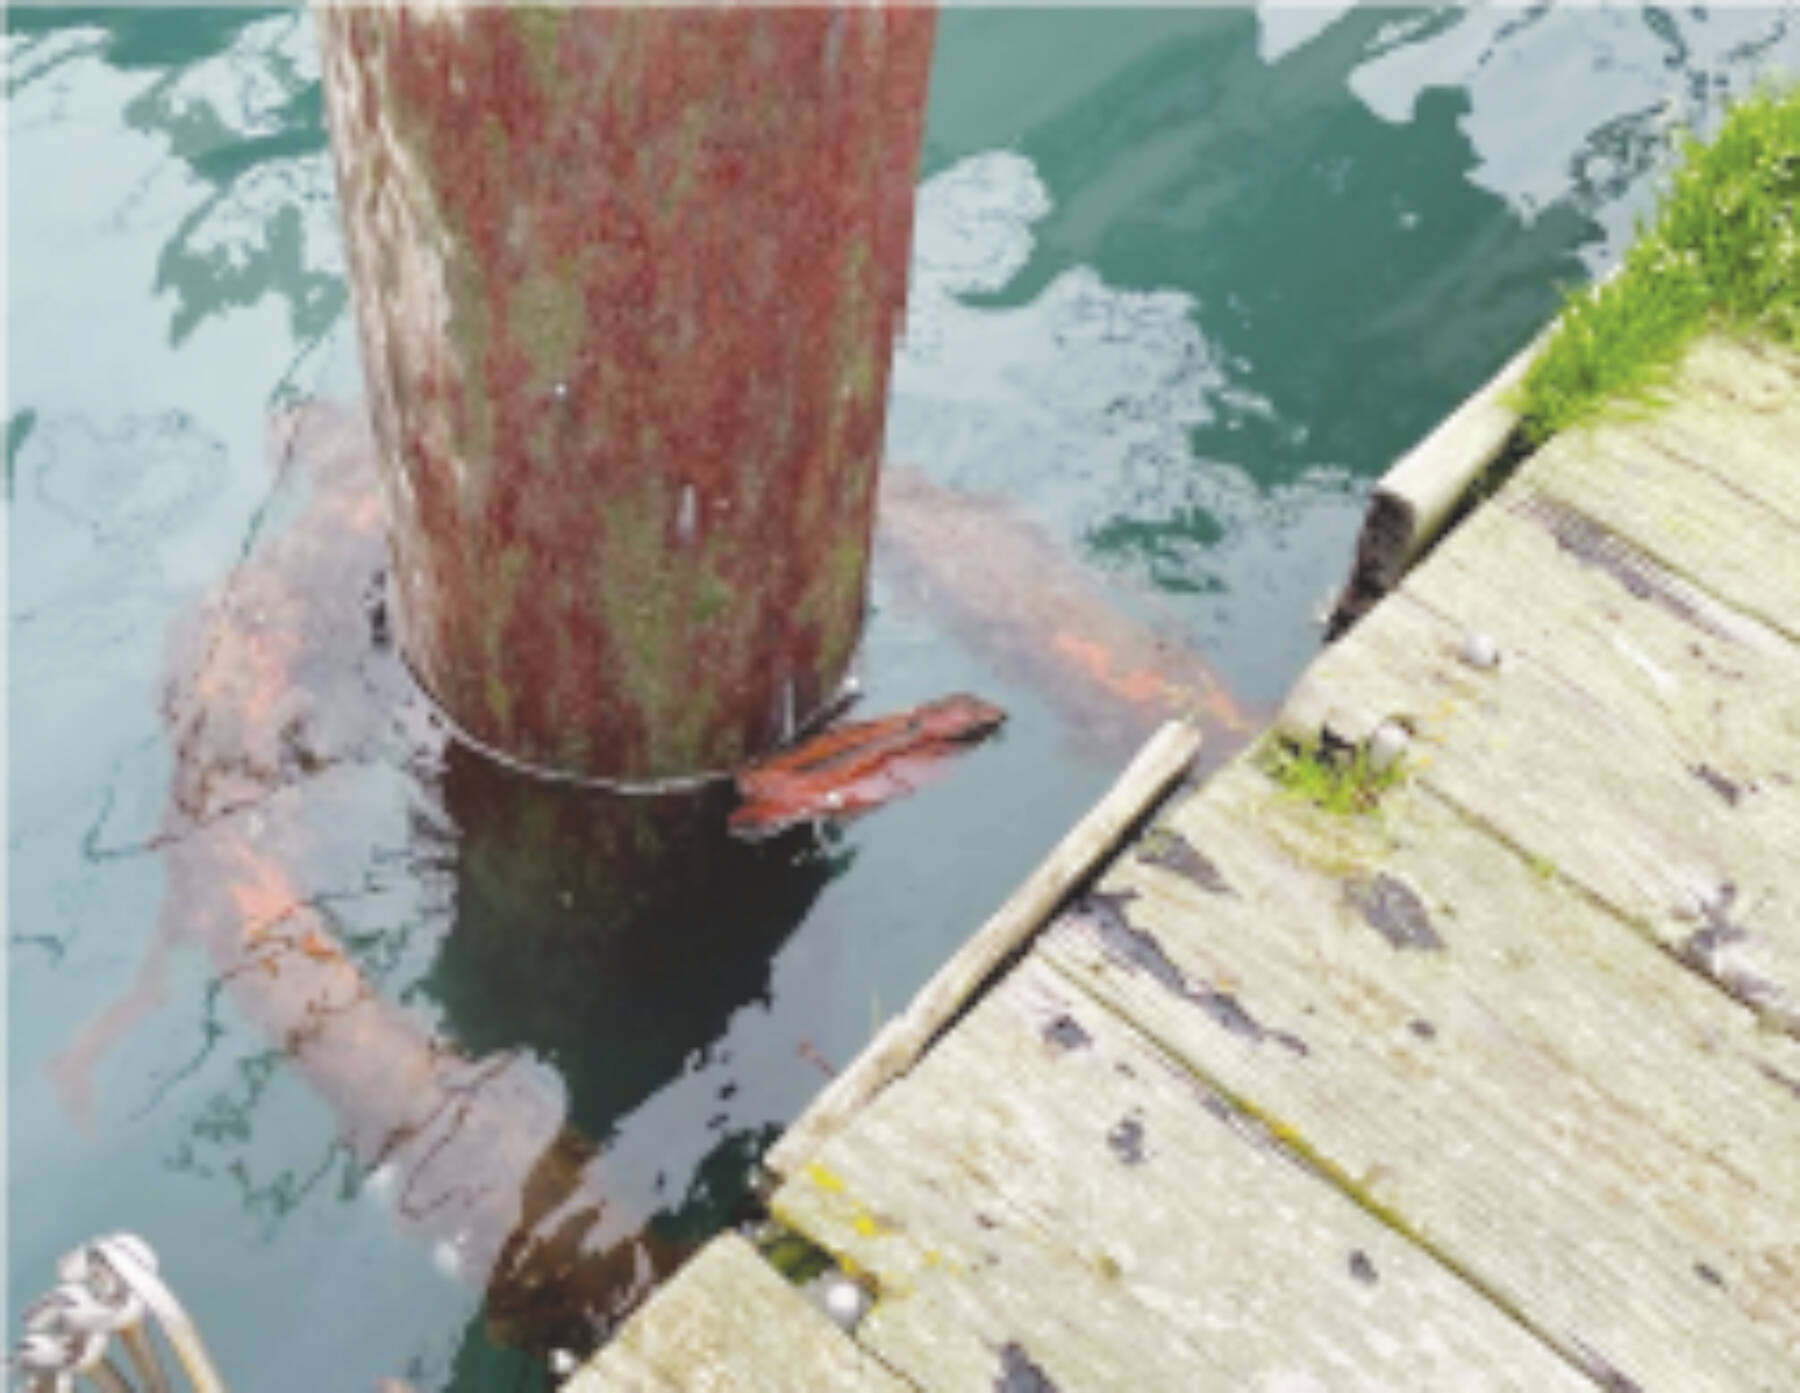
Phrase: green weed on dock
[1723,251]
[1341,781]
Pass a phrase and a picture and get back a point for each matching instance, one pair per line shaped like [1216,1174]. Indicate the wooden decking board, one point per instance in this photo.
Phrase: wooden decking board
[1637,735]
[1565,1116]
[1549,970]
[728,1323]
[1497,1085]
[1713,434]
[1755,391]
[1165,757]
[1048,1181]
[1719,534]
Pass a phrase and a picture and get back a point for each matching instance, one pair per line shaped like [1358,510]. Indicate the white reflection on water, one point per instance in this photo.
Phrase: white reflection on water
[1557,96]
[245,90]
[992,398]
[1082,402]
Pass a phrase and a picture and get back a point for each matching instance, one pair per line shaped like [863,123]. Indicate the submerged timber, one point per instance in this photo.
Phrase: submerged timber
[295,727]
[1492,1081]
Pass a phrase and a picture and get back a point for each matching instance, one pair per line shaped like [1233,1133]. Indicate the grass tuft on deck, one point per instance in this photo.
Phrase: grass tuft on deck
[1722,252]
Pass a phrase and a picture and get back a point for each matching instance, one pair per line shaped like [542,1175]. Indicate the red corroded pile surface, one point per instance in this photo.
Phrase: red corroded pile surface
[627,282]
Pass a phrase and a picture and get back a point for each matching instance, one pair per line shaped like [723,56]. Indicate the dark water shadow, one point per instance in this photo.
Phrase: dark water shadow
[579,945]
[615,933]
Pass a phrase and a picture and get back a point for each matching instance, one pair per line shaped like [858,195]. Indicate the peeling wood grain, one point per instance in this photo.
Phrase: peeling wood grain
[1394,910]
[1581,1123]
[1169,849]
[1018,1374]
[1163,760]
[1708,524]
[729,1323]
[1215,1260]
[1582,748]
[1753,386]
[1128,944]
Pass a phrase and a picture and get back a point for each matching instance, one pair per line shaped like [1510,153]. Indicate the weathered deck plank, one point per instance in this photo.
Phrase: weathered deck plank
[1757,385]
[1048,1191]
[728,1322]
[1496,1086]
[1592,1134]
[1715,522]
[1637,734]
[1166,756]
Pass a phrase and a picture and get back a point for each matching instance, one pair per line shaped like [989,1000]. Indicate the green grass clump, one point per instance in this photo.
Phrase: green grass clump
[1339,781]
[1723,250]
[794,1255]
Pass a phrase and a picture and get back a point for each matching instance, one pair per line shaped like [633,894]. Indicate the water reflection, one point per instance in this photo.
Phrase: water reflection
[234,99]
[1104,396]
[568,922]
[614,933]
[1184,278]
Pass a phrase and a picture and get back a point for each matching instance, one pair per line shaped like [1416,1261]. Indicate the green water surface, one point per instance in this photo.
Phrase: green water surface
[1186,280]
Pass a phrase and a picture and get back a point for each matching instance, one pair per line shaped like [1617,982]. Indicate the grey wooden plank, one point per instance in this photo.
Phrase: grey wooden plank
[619,1369]
[1637,734]
[1594,1136]
[1756,384]
[1048,1193]
[1415,500]
[1164,758]
[1692,486]
[729,1322]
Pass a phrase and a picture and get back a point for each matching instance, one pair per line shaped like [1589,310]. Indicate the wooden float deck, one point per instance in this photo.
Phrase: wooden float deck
[1496,1085]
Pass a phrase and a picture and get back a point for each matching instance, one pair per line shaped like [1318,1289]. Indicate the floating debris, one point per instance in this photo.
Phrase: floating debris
[852,768]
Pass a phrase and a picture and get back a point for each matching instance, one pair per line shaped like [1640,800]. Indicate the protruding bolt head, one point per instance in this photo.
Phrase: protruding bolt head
[846,1302]
[1479,650]
[1387,745]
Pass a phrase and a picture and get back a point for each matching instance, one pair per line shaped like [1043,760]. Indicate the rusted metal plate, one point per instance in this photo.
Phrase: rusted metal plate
[627,282]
